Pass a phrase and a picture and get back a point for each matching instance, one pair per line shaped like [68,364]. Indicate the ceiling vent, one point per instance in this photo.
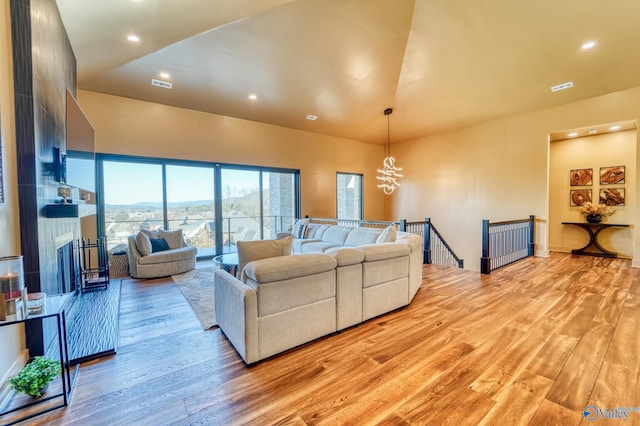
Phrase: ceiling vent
[567,85]
[160,83]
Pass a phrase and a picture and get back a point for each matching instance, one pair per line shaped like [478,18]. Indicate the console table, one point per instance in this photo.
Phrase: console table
[60,389]
[593,247]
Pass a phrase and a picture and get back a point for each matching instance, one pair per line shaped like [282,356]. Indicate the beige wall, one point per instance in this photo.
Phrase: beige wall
[497,170]
[612,149]
[12,338]
[127,126]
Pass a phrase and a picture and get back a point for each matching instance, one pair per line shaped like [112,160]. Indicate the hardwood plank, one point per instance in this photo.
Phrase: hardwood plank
[532,343]
[572,388]
[519,401]
[551,414]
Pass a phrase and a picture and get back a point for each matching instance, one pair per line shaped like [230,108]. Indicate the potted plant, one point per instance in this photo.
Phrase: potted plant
[35,376]
[595,212]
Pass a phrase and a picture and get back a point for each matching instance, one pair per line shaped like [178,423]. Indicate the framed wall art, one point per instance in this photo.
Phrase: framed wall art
[612,175]
[581,177]
[612,196]
[578,197]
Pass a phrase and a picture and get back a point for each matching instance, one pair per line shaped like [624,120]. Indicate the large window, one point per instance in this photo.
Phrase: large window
[349,196]
[215,205]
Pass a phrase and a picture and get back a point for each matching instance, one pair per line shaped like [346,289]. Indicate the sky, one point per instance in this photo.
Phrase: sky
[130,183]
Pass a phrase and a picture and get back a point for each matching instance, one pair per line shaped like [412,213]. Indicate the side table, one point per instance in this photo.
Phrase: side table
[60,389]
[593,247]
[228,261]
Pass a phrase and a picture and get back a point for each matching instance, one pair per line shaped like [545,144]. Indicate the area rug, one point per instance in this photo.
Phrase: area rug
[197,288]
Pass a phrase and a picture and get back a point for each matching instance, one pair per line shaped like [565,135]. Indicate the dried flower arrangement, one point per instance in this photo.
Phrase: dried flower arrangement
[589,209]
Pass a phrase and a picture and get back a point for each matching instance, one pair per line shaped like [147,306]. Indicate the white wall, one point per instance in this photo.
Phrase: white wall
[594,152]
[498,171]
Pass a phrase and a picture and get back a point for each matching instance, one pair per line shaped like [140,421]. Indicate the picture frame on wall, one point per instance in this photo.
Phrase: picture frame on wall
[612,175]
[581,177]
[612,196]
[578,197]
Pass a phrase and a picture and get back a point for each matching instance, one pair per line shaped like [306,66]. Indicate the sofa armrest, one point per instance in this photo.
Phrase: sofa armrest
[236,307]
[383,251]
[413,241]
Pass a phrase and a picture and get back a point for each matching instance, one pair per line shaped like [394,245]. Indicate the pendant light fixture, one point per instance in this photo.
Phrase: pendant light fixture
[388,175]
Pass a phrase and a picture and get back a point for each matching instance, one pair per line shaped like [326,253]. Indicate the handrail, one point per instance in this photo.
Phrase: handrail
[354,222]
[436,249]
[506,242]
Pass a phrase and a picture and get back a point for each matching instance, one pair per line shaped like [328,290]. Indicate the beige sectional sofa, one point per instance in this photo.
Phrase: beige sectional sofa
[285,301]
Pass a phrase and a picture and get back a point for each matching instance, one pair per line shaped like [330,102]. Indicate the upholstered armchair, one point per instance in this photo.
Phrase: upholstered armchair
[154,254]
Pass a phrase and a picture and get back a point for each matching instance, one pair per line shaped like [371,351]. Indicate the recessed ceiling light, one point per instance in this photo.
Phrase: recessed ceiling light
[253,97]
[312,117]
[165,75]
[588,45]
[573,134]
[562,86]
[614,128]
[592,131]
[133,38]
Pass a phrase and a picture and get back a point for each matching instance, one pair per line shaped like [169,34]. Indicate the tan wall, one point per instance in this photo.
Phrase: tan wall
[497,170]
[612,149]
[132,127]
[12,338]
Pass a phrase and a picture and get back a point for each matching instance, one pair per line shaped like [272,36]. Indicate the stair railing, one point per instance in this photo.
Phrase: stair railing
[436,249]
[506,242]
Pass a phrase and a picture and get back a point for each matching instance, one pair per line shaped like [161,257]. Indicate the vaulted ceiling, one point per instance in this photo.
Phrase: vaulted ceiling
[440,64]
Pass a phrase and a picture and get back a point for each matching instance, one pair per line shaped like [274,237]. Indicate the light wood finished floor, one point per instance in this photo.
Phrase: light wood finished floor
[533,343]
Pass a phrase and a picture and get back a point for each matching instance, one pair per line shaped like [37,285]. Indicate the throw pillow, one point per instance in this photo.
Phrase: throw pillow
[151,233]
[388,235]
[143,243]
[173,238]
[158,244]
[248,251]
[300,228]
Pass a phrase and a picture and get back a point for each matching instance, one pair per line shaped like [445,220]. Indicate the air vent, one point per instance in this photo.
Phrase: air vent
[312,117]
[567,85]
[160,83]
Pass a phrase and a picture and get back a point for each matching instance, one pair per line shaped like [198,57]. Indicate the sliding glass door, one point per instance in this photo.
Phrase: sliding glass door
[215,205]
[191,205]
[132,199]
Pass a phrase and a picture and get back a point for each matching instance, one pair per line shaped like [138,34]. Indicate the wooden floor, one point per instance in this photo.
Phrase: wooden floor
[534,343]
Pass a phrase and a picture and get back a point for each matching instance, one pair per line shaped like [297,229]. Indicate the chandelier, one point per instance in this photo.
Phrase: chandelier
[388,175]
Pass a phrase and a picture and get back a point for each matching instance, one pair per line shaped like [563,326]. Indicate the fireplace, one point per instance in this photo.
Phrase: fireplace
[68,275]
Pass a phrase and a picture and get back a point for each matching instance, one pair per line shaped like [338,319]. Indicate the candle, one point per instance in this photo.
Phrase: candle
[11,285]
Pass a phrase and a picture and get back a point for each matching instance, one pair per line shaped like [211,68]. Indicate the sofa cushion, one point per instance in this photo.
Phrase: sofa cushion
[383,251]
[173,238]
[299,242]
[158,244]
[299,229]
[248,251]
[286,267]
[336,234]
[183,253]
[316,230]
[143,243]
[388,235]
[360,236]
[346,256]
[317,247]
